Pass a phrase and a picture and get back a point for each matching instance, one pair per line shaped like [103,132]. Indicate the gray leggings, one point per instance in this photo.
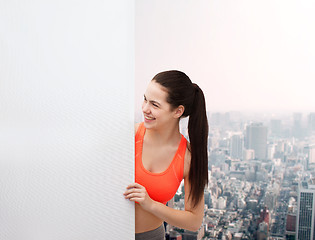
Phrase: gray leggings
[156,234]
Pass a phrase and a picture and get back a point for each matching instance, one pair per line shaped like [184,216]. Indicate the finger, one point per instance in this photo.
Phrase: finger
[140,198]
[135,199]
[133,190]
[140,194]
[134,185]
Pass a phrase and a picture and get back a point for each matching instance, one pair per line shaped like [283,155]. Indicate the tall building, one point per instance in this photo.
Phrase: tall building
[276,127]
[236,147]
[297,130]
[173,235]
[256,139]
[311,122]
[310,160]
[290,226]
[248,154]
[263,224]
[306,212]
[198,235]
[221,204]
[218,119]
[208,200]
[262,232]
[270,151]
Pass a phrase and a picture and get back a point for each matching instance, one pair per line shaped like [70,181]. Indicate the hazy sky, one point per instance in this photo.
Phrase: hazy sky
[245,55]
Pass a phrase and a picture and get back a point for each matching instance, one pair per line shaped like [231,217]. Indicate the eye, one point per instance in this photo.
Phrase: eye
[155,105]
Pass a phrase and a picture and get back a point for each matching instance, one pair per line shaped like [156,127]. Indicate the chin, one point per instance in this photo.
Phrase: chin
[149,124]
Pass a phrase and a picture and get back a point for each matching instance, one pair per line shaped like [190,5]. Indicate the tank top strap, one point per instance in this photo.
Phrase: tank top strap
[138,143]
[182,147]
[140,132]
[179,160]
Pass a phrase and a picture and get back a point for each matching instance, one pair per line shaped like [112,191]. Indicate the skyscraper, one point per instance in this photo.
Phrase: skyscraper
[256,139]
[311,122]
[297,130]
[276,127]
[306,212]
[236,147]
[310,156]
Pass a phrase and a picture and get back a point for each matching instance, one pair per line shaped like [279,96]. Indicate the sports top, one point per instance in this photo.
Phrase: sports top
[162,186]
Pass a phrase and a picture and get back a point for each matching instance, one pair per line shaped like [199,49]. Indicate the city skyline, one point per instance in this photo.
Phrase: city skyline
[254,61]
[256,173]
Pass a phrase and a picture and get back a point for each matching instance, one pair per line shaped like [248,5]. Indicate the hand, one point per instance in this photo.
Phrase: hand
[137,193]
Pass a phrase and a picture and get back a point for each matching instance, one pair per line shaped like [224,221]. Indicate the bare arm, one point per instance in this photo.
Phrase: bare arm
[190,218]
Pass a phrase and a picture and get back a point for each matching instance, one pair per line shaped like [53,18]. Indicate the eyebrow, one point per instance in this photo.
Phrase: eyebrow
[152,101]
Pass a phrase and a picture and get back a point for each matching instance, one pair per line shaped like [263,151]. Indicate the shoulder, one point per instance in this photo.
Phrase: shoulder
[187,160]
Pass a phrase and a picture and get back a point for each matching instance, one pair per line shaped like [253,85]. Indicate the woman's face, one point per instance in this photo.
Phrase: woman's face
[156,110]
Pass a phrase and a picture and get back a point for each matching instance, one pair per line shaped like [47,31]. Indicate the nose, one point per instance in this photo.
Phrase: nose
[145,107]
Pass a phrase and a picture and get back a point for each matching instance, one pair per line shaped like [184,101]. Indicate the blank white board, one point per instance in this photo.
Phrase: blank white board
[66,119]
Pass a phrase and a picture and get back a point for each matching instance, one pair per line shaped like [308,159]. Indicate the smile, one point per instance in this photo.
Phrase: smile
[149,118]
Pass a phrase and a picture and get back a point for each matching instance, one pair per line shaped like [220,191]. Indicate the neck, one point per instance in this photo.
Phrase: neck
[169,134]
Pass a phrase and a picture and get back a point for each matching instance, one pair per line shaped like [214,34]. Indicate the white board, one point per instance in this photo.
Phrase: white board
[66,119]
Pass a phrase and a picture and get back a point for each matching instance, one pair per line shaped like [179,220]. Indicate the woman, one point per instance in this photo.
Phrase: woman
[164,157]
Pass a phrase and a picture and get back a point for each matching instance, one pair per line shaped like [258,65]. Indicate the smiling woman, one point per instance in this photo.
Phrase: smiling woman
[155,107]
[164,157]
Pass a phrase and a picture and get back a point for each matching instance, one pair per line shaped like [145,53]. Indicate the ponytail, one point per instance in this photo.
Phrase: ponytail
[198,136]
[181,91]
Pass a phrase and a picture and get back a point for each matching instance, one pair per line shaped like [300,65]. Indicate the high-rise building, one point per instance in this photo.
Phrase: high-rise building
[270,198]
[198,235]
[290,226]
[221,204]
[248,154]
[311,122]
[218,119]
[297,130]
[306,212]
[262,232]
[271,151]
[276,127]
[264,218]
[236,147]
[173,235]
[208,200]
[256,139]
[310,156]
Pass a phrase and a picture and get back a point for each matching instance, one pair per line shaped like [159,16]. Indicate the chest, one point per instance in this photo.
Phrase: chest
[157,159]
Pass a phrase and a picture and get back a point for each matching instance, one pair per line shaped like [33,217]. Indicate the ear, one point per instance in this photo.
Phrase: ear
[178,112]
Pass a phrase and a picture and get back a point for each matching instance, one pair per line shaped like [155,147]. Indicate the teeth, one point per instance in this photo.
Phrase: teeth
[149,118]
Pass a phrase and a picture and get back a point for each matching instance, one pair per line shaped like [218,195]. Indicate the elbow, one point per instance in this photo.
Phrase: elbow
[195,226]
[194,229]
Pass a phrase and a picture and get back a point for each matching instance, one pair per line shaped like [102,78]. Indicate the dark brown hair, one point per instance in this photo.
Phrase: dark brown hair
[181,91]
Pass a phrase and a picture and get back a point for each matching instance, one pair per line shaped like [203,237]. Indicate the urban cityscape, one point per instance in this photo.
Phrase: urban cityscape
[261,178]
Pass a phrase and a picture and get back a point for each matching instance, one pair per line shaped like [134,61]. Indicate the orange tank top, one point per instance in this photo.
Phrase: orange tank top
[162,186]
